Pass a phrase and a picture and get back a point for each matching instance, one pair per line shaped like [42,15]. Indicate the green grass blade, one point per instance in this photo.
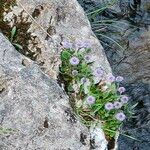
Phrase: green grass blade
[13,32]
[111,40]
[106,24]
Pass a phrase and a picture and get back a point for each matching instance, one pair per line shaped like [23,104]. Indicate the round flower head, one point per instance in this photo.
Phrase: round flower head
[74,61]
[98,72]
[82,44]
[119,78]
[121,90]
[67,44]
[109,106]
[84,80]
[86,44]
[88,58]
[117,105]
[120,116]
[124,99]
[90,100]
[110,78]
[74,72]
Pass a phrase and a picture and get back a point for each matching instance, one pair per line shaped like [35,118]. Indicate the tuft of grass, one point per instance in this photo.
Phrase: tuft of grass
[112,40]
[99,10]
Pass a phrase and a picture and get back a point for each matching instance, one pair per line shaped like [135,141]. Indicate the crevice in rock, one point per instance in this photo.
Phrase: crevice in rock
[22,37]
[37,11]
[46,123]
[83,138]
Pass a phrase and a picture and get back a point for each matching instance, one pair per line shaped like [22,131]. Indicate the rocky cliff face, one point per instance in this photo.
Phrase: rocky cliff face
[34,111]
[133,63]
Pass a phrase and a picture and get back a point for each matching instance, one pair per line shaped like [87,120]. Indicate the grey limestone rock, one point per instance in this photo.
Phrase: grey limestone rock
[34,111]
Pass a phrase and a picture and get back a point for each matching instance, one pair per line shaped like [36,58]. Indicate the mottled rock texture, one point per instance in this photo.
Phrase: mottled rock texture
[31,103]
[35,108]
[61,19]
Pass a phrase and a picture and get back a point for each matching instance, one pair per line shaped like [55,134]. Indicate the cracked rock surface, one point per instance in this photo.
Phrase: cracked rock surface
[62,20]
[35,108]
[31,103]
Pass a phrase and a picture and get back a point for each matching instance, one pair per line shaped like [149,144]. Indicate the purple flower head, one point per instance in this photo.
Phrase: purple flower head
[121,90]
[109,106]
[90,100]
[82,44]
[74,61]
[119,78]
[74,72]
[110,78]
[117,105]
[124,99]
[98,72]
[120,116]
[84,80]
[88,58]
[67,44]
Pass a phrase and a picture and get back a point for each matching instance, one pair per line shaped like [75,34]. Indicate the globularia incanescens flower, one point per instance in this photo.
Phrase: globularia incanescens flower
[121,90]
[74,72]
[88,59]
[98,72]
[119,79]
[109,106]
[84,80]
[124,99]
[74,61]
[117,105]
[90,100]
[82,44]
[110,78]
[67,44]
[105,100]
[120,116]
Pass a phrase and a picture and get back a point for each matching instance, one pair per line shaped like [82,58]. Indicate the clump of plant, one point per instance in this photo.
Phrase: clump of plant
[13,34]
[101,100]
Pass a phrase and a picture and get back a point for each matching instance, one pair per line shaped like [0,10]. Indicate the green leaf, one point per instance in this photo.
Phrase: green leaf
[13,32]
[70,88]
[18,46]
[65,55]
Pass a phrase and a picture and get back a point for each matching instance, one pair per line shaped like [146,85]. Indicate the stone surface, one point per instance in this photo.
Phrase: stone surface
[35,108]
[42,26]
[61,19]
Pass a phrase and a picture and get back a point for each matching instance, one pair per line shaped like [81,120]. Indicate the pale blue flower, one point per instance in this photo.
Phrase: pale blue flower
[119,79]
[74,72]
[117,105]
[82,44]
[98,72]
[67,44]
[84,80]
[90,100]
[109,106]
[74,61]
[124,99]
[120,116]
[110,78]
[121,90]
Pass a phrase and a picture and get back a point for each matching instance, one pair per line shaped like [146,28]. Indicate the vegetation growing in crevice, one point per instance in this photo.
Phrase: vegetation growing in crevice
[5,7]
[103,101]
[22,36]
